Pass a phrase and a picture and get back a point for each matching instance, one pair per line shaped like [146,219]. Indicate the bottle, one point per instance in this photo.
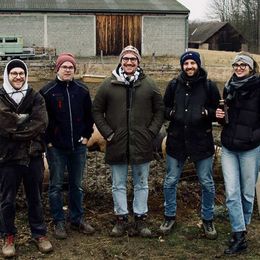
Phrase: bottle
[223,106]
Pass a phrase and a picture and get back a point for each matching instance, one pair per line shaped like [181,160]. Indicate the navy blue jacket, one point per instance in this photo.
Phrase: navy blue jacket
[69,109]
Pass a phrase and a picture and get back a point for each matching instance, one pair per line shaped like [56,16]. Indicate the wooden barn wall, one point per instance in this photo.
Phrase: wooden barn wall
[114,32]
[227,39]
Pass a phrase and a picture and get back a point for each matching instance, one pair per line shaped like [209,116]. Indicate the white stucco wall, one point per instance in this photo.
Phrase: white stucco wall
[164,35]
[66,33]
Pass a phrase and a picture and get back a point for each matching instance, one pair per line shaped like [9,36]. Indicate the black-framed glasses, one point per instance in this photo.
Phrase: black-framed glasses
[132,59]
[67,67]
[242,66]
[16,74]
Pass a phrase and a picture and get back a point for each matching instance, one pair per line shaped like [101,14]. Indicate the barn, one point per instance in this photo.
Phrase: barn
[91,27]
[220,36]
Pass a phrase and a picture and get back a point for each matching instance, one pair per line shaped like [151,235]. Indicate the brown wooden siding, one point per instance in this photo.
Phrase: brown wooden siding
[114,32]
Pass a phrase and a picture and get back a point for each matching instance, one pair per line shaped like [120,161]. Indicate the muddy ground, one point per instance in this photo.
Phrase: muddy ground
[185,242]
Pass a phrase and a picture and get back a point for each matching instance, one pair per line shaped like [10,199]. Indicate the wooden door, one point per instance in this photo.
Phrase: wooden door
[114,32]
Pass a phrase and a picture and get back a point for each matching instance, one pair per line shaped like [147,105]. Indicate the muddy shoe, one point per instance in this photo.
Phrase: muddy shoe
[83,227]
[8,248]
[43,244]
[209,229]
[60,230]
[120,227]
[167,226]
[141,226]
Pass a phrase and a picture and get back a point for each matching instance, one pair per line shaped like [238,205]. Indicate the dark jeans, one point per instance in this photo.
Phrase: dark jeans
[11,177]
[75,160]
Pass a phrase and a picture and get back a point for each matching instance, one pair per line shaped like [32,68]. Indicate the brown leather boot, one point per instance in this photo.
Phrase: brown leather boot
[8,248]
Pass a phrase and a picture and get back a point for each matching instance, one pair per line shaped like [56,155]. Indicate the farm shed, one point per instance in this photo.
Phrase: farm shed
[89,27]
[220,36]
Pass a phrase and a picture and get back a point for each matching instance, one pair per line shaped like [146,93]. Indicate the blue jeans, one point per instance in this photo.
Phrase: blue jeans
[74,160]
[204,172]
[240,171]
[140,173]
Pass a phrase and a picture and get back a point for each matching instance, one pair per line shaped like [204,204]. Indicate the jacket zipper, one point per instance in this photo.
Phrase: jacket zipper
[71,124]
[129,106]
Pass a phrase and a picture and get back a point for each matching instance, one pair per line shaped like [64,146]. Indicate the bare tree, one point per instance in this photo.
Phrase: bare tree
[244,15]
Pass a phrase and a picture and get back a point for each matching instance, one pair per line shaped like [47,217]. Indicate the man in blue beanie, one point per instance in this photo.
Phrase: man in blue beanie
[190,102]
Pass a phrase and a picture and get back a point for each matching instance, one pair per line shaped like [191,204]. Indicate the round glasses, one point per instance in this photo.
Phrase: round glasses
[16,74]
[242,66]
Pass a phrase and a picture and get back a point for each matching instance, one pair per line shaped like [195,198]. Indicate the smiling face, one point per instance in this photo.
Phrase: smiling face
[66,71]
[241,69]
[17,77]
[129,63]
[190,67]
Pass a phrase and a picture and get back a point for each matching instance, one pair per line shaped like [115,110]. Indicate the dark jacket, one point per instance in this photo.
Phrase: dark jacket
[243,130]
[69,109]
[191,106]
[134,113]
[19,141]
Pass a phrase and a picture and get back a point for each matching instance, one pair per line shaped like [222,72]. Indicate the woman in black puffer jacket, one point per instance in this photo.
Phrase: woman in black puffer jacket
[240,139]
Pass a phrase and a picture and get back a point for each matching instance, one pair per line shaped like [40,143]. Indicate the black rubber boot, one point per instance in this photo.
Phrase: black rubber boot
[237,244]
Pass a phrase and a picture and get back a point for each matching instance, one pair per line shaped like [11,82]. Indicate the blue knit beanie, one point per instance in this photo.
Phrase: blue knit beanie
[190,55]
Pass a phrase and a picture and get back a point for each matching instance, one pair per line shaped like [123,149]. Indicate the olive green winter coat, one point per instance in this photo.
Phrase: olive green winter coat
[133,113]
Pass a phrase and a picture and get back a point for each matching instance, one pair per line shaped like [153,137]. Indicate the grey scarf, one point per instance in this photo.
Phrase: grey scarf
[236,84]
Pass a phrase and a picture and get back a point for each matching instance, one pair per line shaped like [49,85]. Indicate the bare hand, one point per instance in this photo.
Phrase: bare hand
[220,113]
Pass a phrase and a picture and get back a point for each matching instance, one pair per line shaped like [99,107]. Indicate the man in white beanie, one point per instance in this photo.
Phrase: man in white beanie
[128,111]
[23,118]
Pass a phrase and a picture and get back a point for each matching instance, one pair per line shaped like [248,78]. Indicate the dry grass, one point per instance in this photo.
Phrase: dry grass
[217,64]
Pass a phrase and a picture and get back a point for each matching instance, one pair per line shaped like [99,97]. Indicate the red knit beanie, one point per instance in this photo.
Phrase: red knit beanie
[63,57]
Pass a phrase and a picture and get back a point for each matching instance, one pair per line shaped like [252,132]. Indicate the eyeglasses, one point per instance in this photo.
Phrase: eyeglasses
[16,74]
[132,59]
[67,67]
[242,66]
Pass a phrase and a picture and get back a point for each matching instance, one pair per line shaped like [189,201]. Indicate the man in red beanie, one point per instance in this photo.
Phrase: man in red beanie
[70,126]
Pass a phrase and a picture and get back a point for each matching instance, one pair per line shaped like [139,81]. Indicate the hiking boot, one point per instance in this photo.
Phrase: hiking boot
[43,244]
[209,229]
[60,230]
[141,226]
[8,248]
[83,227]
[238,243]
[167,226]
[120,227]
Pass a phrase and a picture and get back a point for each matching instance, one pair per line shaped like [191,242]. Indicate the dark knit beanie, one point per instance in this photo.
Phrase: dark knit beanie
[16,64]
[63,57]
[190,55]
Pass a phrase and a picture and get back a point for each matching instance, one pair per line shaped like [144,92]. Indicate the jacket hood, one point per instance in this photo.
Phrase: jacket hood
[14,94]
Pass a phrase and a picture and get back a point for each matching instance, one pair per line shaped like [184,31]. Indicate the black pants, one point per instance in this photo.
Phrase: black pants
[11,177]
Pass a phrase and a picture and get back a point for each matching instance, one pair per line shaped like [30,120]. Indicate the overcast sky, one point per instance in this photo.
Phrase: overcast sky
[198,8]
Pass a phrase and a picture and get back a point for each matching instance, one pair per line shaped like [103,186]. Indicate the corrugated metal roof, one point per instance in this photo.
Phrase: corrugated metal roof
[200,33]
[93,6]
